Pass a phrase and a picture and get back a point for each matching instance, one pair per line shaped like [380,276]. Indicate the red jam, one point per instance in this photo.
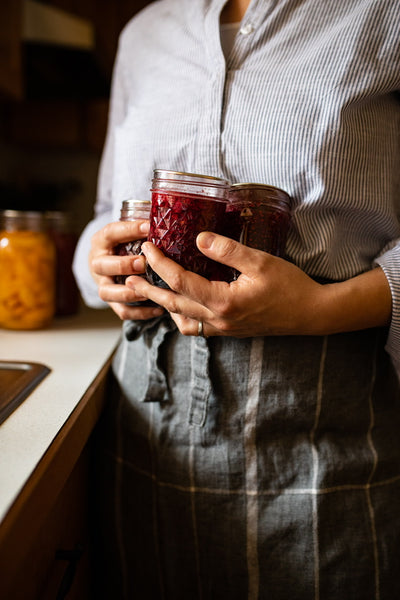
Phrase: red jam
[258,216]
[133,210]
[177,217]
[127,249]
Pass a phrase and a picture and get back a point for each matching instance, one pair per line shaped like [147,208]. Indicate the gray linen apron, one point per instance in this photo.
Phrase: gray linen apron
[251,468]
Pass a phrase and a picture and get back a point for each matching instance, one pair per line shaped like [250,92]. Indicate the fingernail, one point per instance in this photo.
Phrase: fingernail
[144,227]
[144,248]
[205,239]
[138,263]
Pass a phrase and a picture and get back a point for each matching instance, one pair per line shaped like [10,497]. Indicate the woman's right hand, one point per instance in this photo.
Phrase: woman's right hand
[104,265]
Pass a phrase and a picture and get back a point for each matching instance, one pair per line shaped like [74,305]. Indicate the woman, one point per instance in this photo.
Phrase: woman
[256,451]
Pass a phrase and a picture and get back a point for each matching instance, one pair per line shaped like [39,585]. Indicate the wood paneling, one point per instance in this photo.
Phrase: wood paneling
[11,84]
[58,123]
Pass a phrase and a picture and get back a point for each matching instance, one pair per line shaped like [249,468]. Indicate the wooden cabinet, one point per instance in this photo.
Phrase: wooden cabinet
[10,49]
[45,544]
[61,124]
[62,116]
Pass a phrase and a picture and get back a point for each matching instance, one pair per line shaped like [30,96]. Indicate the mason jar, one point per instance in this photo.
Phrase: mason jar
[27,267]
[133,210]
[182,206]
[61,228]
[258,216]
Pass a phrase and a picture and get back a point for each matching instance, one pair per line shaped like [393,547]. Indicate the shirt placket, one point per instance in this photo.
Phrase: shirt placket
[209,161]
[208,150]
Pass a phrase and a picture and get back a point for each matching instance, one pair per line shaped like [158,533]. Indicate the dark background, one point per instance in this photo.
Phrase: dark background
[53,108]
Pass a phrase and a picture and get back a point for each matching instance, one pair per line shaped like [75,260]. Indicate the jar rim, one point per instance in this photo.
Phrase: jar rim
[10,212]
[21,220]
[274,195]
[184,176]
[265,186]
[134,201]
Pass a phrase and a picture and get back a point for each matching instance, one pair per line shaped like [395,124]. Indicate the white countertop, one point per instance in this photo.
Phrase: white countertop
[75,349]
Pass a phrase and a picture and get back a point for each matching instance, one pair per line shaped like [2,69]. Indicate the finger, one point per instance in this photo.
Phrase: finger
[120,231]
[180,280]
[229,252]
[189,326]
[177,278]
[173,302]
[112,292]
[136,313]
[211,296]
[111,265]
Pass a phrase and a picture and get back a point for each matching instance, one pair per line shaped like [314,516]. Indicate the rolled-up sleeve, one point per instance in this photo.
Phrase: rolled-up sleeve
[389,261]
[103,210]
[80,267]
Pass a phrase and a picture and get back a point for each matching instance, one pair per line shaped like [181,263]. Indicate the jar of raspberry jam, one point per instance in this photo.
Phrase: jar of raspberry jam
[183,205]
[133,210]
[258,216]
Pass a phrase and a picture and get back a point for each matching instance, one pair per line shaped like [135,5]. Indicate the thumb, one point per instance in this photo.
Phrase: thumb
[228,252]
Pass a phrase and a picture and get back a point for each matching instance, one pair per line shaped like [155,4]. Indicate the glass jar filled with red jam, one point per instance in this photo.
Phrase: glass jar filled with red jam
[183,205]
[27,267]
[258,216]
[133,210]
[61,228]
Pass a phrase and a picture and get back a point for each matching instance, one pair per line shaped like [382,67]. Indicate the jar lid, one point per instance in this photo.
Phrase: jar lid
[191,184]
[28,220]
[187,177]
[133,202]
[271,192]
[261,186]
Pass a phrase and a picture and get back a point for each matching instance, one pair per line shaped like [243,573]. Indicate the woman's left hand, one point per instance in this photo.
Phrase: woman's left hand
[270,297]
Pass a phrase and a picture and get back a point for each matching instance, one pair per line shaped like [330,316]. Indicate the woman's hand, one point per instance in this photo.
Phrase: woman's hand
[104,266]
[270,297]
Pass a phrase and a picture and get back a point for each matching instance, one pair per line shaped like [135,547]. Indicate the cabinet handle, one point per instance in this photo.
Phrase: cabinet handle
[72,557]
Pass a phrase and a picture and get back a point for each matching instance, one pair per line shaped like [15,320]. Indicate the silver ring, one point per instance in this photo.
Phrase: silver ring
[200,329]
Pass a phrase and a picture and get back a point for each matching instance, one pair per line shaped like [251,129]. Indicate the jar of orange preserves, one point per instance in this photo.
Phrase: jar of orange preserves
[27,268]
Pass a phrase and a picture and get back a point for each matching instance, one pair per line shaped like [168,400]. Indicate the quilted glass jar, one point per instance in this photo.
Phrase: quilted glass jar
[183,205]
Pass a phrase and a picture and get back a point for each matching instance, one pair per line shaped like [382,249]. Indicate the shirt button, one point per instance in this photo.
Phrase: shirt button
[246,29]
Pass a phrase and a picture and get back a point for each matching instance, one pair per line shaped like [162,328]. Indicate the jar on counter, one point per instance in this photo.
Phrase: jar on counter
[61,229]
[133,210]
[258,216]
[27,268]
[183,205]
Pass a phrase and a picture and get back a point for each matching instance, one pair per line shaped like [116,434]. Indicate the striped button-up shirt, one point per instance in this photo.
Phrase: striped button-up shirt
[306,100]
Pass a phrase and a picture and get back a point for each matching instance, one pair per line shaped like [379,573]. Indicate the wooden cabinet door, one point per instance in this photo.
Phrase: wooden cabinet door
[56,563]
[10,49]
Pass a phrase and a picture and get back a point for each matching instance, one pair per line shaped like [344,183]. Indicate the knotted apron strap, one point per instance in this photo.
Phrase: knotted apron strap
[154,332]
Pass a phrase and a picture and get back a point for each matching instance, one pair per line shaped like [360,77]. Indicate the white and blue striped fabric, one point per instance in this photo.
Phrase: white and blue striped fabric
[264,468]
